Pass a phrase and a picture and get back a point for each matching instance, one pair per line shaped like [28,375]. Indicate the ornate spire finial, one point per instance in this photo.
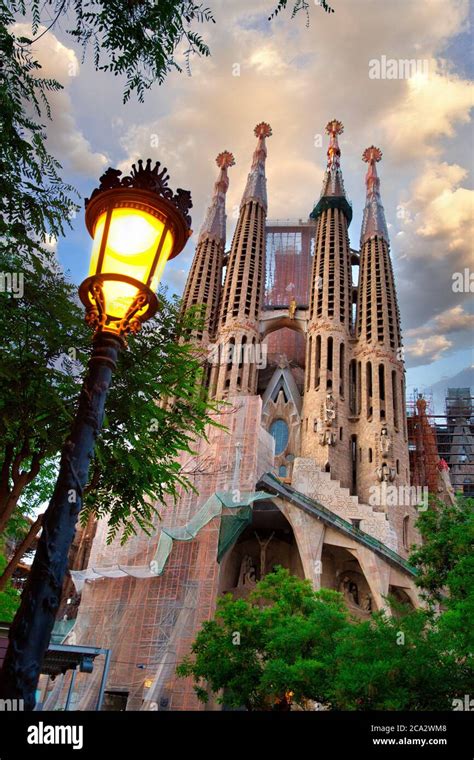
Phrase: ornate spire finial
[334,127]
[225,159]
[214,222]
[333,184]
[263,130]
[373,222]
[372,154]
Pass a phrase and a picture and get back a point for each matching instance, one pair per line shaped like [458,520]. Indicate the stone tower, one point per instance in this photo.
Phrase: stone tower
[329,332]
[378,354]
[203,286]
[235,372]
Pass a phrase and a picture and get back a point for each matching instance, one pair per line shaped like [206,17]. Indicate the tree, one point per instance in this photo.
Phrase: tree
[38,378]
[445,562]
[271,648]
[155,408]
[35,204]
[140,39]
[9,598]
[293,640]
[391,663]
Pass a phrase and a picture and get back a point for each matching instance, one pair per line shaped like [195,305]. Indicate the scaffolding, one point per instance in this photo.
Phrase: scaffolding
[149,623]
[442,440]
[422,445]
[455,438]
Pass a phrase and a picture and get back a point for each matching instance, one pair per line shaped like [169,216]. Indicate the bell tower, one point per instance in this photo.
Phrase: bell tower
[382,424]
[203,286]
[326,394]
[237,336]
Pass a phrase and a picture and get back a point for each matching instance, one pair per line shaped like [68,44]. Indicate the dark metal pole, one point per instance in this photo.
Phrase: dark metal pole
[31,629]
[71,689]
[103,680]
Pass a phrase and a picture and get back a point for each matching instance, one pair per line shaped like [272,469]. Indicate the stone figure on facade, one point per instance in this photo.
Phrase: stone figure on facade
[247,576]
[385,442]
[329,409]
[385,473]
[327,436]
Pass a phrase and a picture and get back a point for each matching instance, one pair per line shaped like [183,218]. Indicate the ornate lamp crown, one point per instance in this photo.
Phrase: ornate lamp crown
[263,130]
[146,178]
[225,159]
[372,154]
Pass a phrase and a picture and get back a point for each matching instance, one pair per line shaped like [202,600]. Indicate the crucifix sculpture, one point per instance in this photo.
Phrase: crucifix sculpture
[263,552]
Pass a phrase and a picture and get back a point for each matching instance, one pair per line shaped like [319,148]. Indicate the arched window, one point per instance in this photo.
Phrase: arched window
[317,374]
[282,471]
[279,431]
[369,389]
[341,370]
[406,521]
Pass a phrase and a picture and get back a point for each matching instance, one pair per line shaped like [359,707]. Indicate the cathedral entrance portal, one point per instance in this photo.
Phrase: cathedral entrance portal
[266,543]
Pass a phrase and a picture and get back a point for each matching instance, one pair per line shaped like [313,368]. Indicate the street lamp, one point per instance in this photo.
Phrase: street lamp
[137,224]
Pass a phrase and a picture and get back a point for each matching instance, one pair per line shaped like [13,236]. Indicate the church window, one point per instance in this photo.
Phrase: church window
[369,389]
[318,362]
[395,398]
[341,370]
[279,431]
[406,521]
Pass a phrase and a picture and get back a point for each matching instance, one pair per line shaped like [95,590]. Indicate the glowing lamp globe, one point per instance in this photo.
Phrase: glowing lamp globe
[137,224]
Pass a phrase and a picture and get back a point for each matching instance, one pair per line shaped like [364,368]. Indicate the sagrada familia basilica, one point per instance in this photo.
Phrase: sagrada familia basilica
[310,470]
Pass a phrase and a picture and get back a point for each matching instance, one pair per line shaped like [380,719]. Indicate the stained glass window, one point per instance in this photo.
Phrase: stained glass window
[279,431]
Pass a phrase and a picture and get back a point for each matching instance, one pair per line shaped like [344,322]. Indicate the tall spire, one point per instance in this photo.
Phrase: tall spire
[373,222]
[214,222]
[256,187]
[333,183]
[203,285]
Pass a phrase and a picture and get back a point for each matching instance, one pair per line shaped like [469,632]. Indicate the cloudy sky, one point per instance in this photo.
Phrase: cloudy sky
[297,78]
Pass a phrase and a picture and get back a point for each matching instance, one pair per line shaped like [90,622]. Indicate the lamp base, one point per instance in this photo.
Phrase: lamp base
[143,305]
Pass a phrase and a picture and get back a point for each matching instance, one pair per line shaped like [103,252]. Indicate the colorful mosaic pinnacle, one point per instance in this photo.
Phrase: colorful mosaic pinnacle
[225,159]
[372,154]
[263,130]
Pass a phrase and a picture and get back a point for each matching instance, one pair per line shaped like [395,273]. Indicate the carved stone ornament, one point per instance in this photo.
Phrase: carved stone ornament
[385,442]
[327,436]
[385,473]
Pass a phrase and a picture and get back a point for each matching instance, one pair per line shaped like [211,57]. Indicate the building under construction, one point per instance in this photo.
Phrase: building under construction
[313,435]
[442,440]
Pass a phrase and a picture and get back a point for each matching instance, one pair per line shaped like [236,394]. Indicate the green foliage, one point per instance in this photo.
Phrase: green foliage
[448,540]
[139,39]
[142,40]
[38,379]
[155,408]
[300,5]
[295,640]
[387,663]
[286,634]
[9,597]
[445,562]
[34,202]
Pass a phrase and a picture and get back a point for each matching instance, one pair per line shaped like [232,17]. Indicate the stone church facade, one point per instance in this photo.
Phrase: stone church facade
[311,471]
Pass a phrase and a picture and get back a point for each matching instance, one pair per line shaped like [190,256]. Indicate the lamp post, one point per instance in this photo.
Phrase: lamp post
[137,225]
